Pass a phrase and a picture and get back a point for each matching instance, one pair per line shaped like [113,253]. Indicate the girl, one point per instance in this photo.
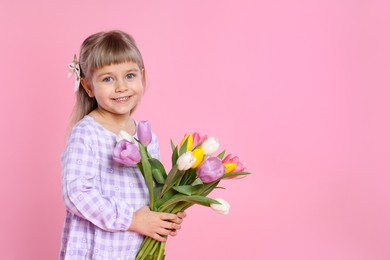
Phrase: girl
[107,213]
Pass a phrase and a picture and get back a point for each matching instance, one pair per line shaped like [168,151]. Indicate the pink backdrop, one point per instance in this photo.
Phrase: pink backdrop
[299,89]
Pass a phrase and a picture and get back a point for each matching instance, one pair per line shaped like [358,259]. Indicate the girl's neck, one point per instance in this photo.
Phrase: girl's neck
[114,123]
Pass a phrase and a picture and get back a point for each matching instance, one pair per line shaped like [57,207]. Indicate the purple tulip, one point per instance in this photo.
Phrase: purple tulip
[144,132]
[126,153]
[210,169]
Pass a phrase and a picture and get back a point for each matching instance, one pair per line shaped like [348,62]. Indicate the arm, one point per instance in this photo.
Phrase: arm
[157,225]
[80,172]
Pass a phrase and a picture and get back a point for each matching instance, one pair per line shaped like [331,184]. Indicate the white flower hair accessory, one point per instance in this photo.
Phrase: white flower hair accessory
[74,67]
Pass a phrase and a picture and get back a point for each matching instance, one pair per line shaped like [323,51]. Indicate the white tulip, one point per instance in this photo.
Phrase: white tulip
[123,135]
[222,208]
[210,146]
[185,161]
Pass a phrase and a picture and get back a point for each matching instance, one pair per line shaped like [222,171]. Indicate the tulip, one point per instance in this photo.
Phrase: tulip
[229,167]
[210,146]
[231,159]
[240,167]
[185,161]
[222,208]
[144,132]
[197,138]
[198,154]
[123,135]
[189,142]
[210,170]
[126,153]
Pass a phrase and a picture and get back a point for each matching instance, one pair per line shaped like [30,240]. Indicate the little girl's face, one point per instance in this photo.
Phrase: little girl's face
[117,87]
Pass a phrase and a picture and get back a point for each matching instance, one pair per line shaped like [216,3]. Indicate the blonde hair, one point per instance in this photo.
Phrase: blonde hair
[97,51]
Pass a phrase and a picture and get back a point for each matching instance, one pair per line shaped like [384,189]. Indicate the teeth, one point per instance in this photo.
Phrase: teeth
[122,98]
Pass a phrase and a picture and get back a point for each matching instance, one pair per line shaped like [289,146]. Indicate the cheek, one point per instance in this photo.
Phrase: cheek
[140,89]
[101,93]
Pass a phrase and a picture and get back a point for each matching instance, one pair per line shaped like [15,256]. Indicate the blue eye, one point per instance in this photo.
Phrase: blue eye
[130,76]
[107,79]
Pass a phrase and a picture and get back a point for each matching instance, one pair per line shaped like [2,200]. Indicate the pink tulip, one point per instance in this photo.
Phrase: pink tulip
[239,168]
[210,169]
[230,158]
[144,132]
[126,153]
[197,138]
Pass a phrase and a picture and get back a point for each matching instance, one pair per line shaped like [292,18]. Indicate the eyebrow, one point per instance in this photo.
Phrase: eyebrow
[110,72]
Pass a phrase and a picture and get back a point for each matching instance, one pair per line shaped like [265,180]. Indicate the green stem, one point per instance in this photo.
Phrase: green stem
[161,251]
[155,246]
[143,251]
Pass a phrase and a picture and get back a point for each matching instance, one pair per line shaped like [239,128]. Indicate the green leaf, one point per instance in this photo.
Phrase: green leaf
[189,189]
[167,195]
[197,181]
[173,146]
[189,177]
[200,200]
[220,156]
[183,148]
[175,156]
[158,170]
[209,187]
[173,176]
[226,175]
[147,170]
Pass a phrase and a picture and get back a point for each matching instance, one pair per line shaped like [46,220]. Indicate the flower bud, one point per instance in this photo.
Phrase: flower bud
[239,166]
[210,170]
[126,153]
[222,208]
[144,132]
[229,167]
[197,138]
[198,154]
[189,142]
[185,161]
[210,146]
[123,135]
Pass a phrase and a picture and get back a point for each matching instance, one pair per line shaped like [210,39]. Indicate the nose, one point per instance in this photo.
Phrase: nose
[121,86]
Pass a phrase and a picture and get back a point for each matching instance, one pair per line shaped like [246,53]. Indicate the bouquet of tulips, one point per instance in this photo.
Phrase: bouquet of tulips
[194,174]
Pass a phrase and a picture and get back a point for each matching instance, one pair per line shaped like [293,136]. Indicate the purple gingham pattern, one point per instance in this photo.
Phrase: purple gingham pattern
[100,196]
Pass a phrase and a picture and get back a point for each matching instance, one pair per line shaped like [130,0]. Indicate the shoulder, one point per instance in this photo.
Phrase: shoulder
[85,130]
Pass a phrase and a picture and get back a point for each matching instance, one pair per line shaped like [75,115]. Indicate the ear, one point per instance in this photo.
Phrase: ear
[87,87]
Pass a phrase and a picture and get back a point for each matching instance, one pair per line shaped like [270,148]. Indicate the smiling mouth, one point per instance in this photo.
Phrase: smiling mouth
[122,98]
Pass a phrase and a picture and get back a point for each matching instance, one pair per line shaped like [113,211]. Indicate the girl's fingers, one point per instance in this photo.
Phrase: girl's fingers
[158,237]
[181,214]
[168,216]
[177,221]
[170,225]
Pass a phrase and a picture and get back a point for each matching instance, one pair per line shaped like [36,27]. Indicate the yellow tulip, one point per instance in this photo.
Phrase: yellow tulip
[198,154]
[229,167]
[189,142]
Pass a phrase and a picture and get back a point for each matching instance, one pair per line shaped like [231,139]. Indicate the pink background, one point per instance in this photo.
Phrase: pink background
[298,89]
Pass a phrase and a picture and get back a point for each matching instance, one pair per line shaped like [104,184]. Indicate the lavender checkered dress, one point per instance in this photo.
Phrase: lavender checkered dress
[100,196]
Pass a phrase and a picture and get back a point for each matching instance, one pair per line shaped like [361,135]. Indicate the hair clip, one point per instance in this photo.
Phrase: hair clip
[74,67]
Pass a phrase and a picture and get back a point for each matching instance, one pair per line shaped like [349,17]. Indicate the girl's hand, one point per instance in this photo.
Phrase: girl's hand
[180,217]
[157,225]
